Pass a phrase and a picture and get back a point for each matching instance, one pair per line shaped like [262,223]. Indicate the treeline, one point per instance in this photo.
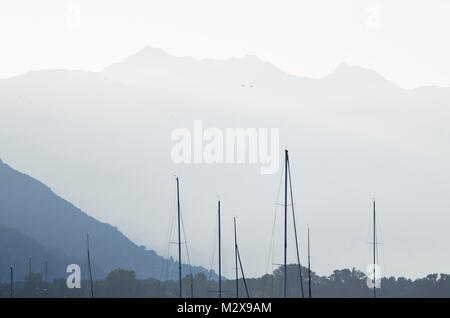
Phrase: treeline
[341,283]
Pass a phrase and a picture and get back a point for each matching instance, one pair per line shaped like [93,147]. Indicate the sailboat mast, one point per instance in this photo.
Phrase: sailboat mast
[295,229]
[285,219]
[11,287]
[236,258]
[46,271]
[374,251]
[243,275]
[179,237]
[220,252]
[89,265]
[309,267]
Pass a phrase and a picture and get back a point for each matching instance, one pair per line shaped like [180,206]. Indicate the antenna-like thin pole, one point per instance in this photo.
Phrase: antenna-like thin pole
[220,253]
[11,281]
[236,258]
[295,230]
[285,220]
[179,237]
[309,267]
[46,271]
[29,266]
[374,251]
[89,266]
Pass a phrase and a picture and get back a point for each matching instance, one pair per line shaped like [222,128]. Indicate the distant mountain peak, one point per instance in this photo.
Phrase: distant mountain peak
[148,53]
[347,73]
[151,50]
[345,68]
[153,66]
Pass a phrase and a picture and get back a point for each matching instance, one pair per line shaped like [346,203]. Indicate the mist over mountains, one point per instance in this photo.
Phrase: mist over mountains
[102,141]
[42,225]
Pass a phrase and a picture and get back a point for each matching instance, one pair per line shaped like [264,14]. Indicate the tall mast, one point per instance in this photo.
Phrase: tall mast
[285,219]
[240,262]
[89,266]
[295,229]
[46,271]
[236,258]
[243,275]
[179,237]
[374,251]
[220,253]
[29,266]
[11,280]
[309,267]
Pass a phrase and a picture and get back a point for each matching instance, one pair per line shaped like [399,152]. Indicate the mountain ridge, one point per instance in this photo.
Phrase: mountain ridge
[29,206]
[108,149]
[149,54]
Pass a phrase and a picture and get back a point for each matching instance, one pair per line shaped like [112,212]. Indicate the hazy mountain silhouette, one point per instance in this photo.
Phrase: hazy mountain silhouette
[102,141]
[16,248]
[56,231]
[153,66]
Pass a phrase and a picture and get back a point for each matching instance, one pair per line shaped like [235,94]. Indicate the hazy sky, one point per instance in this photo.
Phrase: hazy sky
[406,41]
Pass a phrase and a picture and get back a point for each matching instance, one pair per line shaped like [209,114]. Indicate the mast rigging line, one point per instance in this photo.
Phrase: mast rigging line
[89,266]
[285,223]
[295,227]
[213,254]
[242,271]
[181,230]
[270,256]
[179,238]
[164,261]
[188,256]
[374,250]
[238,258]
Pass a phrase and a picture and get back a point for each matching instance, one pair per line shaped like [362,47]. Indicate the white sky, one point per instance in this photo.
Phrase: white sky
[406,41]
